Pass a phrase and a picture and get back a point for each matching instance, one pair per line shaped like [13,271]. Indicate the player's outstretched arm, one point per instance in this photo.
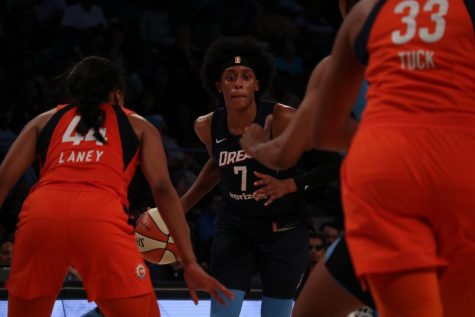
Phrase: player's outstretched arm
[205,181]
[209,174]
[335,95]
[21,154]
[285,149]
[154,167]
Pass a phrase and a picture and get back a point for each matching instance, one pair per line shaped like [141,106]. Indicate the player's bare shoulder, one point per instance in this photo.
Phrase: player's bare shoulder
[282,115]
[357,18]
[282,111]
[203,127]
[141,125]
[39,122]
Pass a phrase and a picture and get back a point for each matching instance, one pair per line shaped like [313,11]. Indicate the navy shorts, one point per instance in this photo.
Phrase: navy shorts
[281,258]
[338,263]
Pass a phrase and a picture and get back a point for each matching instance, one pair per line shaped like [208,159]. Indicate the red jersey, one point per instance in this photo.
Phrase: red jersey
[420,57]
[67,158]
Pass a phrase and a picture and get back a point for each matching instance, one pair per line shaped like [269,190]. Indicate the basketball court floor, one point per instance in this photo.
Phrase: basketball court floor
[168,308]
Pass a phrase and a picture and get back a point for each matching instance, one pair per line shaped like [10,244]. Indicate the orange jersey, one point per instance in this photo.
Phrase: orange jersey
[67,158]
[420,57]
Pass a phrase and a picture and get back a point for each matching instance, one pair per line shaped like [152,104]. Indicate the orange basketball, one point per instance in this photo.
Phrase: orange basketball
[153,238]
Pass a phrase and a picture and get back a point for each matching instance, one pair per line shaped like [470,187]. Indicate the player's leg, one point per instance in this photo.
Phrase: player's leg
[38,307]
[454,218]
[233,264]
[412,293]
[322,295]
[283,261]
[231,307]
[144,305]
[38,264]
[390,216]
[106,255]
[276,307]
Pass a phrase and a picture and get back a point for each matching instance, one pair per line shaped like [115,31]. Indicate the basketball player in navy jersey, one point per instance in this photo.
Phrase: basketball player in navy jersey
[249,236]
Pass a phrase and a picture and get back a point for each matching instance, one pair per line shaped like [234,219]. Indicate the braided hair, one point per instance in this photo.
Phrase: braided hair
[224,52]
[90,83]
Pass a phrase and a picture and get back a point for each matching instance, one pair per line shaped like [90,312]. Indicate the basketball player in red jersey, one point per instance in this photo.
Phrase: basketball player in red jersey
[408,179]
[76,213]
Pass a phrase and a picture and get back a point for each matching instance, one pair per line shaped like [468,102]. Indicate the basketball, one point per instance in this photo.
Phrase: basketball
[153,238]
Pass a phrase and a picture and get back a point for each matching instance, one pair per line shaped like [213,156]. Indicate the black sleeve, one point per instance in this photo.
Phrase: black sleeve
[320,175]
[321,168]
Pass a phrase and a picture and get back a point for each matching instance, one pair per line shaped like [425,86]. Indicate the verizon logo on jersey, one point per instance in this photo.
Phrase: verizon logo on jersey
[231,157]
[241,196]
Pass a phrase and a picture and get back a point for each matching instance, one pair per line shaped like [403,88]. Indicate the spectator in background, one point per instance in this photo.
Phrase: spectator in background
[48,9]
[84,15]
[155,26]
[175,155]
[85,25]
[331,231]
[317,248]
[289,61]
[7,137]
[316,252]
[6,250]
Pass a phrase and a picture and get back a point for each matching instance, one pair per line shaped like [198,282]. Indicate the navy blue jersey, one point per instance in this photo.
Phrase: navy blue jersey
[237,174]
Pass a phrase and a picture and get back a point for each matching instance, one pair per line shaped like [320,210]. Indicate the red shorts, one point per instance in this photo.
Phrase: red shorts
[409,200]
[85,229]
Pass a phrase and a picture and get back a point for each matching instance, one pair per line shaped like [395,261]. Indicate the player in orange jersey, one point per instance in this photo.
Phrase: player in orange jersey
[408,180]
[76,215]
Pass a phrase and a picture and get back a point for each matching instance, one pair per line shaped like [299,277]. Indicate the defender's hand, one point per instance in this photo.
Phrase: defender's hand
[272,188]
[197,278]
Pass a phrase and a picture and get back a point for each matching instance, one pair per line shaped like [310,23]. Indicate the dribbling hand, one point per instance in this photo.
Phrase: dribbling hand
[196,278]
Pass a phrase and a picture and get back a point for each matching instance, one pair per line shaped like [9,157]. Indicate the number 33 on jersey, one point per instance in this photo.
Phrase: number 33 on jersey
[420,23]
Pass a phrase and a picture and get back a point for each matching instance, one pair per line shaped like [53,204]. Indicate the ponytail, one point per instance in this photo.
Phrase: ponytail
[90,83]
